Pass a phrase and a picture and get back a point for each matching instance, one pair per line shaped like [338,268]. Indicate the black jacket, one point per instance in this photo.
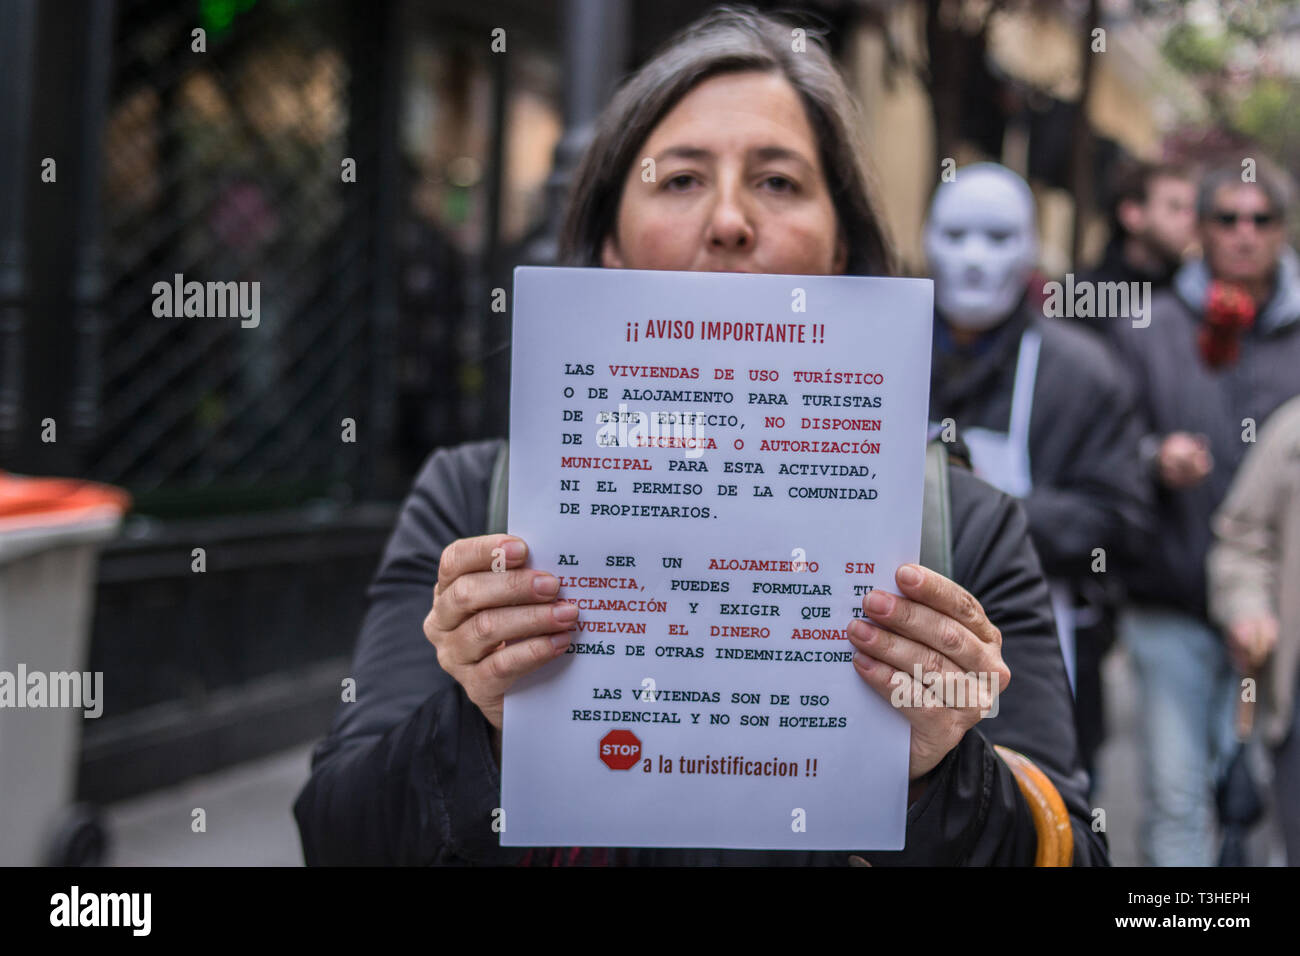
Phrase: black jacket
[1179,392]
[407,775]
[1113,268]
[1089,487]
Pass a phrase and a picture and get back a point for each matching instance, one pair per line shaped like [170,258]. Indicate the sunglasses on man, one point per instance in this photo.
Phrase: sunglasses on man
[1229,219]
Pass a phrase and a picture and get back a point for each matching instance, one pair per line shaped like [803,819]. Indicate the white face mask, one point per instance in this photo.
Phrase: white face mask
[982,245]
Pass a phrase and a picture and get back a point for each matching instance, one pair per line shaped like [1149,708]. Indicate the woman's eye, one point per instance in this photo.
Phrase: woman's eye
[679,182]
[954,235]
[999,236]
[780,184]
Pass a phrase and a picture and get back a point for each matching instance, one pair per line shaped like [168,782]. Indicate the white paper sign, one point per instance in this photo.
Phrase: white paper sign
[717,467]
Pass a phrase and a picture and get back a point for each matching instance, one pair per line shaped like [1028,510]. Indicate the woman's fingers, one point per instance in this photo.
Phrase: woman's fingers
[897,651]
[933,651]
[487,552]
[507,664]
[888,661]
[949,598]
[876,673]
[945,637]
[484,597]
[474,591]
[492,619]
[475,639]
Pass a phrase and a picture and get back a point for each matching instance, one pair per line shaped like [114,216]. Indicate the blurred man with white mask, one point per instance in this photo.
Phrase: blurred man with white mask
[1044,409]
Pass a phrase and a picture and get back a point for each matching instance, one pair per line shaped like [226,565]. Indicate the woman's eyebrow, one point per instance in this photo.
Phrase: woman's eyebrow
[686,152]
[769,153]
[761,154]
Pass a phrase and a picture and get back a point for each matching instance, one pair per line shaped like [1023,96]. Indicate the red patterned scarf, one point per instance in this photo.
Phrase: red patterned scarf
[1229,311]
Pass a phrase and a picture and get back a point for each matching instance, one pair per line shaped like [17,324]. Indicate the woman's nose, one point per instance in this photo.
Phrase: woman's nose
[730,226]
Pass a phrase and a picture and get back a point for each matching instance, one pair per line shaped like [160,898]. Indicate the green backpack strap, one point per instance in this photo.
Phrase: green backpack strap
[936,518]
[936,511]
[499,490]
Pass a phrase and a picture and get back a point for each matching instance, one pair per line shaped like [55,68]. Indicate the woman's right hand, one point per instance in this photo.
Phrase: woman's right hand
[491,627]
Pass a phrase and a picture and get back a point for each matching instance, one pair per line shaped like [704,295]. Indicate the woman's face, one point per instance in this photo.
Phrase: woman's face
[737,187]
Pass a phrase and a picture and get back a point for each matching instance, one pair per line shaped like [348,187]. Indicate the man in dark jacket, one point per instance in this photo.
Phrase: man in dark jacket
[1045,408]
[1152,225]
[1220,353]
[408,776]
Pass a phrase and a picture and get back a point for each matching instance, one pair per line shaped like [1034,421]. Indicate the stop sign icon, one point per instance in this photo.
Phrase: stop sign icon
[620,749]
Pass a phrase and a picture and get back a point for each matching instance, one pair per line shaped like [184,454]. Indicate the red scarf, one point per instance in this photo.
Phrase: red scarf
[1229,311]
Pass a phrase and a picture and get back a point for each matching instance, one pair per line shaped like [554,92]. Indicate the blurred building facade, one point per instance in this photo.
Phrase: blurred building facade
[281,450]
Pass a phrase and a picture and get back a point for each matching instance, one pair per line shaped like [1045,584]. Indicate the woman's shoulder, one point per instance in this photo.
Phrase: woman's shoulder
[448,498]
[462,471]
[992,550]
[470,458]
[976,505]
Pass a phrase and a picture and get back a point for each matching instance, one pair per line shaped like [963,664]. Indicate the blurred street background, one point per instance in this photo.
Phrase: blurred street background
[376,297]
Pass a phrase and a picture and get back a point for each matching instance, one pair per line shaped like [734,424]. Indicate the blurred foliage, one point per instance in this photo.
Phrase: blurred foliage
[1237,59]
[216,16]
[1270,113]
[1193,50]
[1247,19]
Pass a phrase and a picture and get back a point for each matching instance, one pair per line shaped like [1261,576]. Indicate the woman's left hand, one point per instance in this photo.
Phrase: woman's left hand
[938,626]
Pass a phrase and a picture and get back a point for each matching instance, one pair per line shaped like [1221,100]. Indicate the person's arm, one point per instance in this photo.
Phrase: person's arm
[1127,346]
[1090,488]
[1242,565]
[407,774]
[971,812]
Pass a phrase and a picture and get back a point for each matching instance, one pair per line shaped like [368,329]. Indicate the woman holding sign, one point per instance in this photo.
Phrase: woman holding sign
[755,169]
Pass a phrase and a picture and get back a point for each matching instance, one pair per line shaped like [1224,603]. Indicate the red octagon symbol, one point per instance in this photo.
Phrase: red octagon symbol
[620,749]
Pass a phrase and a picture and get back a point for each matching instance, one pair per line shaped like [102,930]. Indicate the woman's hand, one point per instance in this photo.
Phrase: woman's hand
[493,621]
[939,626]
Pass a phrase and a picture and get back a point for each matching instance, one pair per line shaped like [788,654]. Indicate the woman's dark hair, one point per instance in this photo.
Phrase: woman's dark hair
[729,40]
